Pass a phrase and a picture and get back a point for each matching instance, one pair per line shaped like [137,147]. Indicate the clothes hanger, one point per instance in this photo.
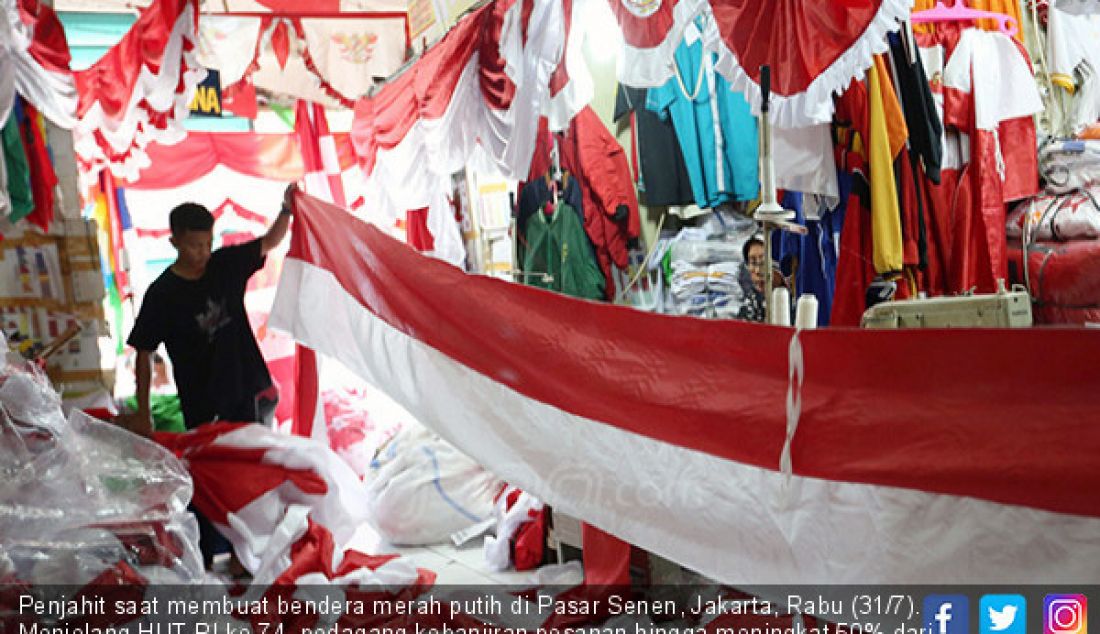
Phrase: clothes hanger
[959,12]
[555,172]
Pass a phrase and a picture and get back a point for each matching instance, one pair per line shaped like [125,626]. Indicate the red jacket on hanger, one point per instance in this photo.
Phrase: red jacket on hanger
[591,154]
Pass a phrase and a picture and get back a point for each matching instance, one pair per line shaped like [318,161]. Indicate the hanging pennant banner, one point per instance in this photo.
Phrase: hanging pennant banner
[207,101]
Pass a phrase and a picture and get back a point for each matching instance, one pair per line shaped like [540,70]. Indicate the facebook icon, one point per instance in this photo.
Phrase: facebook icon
[946,614]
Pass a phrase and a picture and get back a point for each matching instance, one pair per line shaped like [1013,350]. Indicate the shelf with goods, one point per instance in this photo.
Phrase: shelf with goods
[51,282]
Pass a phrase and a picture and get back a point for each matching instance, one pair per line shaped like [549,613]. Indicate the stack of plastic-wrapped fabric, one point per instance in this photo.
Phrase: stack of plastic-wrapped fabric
[82,502]
[1060,231]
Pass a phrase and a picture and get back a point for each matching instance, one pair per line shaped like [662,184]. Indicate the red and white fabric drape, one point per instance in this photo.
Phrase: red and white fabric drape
[321,179]
[276,157]
[34,60]
[322,175]
[814,49]
[484,84]
[139,91]
[290,507]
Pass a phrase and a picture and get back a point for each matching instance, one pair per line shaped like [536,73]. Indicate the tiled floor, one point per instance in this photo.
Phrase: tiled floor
[463,565]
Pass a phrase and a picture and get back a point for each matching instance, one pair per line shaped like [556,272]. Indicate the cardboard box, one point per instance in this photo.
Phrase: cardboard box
[87,286]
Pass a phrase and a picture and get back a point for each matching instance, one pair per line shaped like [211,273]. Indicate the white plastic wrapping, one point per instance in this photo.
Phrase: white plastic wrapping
[708,278]
[1070,165]
[1058,217]
[422,489]
[82,500]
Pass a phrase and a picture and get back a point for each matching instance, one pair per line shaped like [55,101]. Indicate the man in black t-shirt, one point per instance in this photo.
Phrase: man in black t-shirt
[196,309]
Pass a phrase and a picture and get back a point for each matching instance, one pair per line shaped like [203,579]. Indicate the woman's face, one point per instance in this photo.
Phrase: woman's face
[756,265]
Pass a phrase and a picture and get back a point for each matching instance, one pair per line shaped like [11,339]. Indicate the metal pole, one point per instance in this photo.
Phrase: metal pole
[768,308]
[769,214]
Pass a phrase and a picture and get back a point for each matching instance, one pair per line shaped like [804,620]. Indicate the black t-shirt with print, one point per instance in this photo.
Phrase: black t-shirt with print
[203,324]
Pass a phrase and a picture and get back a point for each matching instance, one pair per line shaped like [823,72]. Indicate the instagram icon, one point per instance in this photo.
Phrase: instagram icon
[1065,614]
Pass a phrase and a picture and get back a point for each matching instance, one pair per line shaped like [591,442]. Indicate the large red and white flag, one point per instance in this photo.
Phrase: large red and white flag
[751,453]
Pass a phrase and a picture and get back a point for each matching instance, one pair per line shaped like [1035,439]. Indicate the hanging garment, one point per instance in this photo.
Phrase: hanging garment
[989,95]
[886,139]
[921,116]
[557,245]
[1073,50]
[854,270]
[804,160]
[598,163]
[943,199]
[816,252]
[536,194]
[921,158]
[18,171]
[663,178]
[714,125]
[873,109]
[43,177]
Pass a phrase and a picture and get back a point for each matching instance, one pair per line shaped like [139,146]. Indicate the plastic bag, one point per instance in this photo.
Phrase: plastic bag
[82,500]
[1058,217]
[1070,165]
[422,489]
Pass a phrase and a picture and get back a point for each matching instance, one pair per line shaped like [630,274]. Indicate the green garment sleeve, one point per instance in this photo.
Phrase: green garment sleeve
[166,412]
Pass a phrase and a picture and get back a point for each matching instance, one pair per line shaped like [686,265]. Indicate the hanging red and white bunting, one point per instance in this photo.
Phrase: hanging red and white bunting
[485,83]
[139,91]
[34,60]
[747,35]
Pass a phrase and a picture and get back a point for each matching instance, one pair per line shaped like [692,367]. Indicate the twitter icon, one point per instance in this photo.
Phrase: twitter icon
[1002,614]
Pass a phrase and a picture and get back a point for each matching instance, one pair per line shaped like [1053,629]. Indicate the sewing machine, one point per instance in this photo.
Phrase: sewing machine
[1003,309]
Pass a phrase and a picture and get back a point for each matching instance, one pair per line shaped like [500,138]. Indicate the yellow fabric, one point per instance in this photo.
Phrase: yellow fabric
[103,227]
[896,129]
[1010,8]
[885,212]
[1063,81]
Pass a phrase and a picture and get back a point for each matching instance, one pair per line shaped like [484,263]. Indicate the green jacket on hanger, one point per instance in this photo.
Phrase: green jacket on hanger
[558,245]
